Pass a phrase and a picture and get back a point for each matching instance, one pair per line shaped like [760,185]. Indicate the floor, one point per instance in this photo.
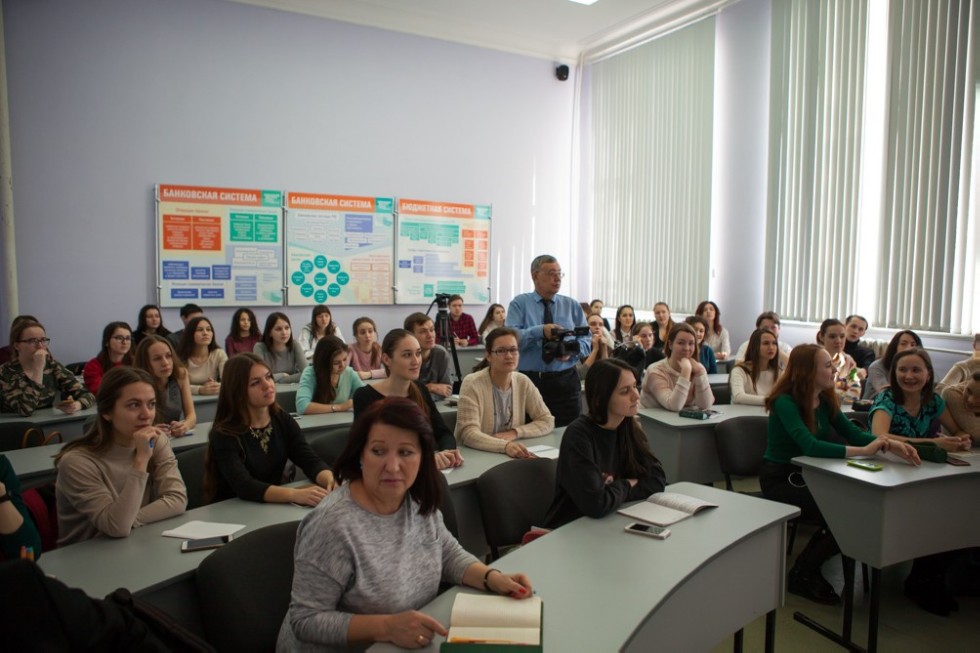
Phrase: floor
[903,626]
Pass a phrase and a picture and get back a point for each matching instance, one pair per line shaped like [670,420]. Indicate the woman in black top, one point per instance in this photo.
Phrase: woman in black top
[401,356]
[605,460]
[252,438]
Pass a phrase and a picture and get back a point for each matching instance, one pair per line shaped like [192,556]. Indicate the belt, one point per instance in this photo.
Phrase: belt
[549,375]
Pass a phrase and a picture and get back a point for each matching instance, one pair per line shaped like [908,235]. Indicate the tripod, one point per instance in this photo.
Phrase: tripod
[445,334]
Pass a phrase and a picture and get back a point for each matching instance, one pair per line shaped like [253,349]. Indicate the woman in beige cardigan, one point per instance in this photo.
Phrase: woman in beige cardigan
[494,399]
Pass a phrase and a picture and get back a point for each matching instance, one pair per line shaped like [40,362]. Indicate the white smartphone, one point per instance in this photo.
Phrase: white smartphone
[204,543]
[649,530]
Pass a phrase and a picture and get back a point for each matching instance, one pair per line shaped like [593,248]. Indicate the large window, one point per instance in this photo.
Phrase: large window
[651,128]
[870,162]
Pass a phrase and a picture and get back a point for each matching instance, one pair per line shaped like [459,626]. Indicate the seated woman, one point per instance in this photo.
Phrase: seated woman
[175,412]
[251,440]
[244,333]
[623,329]
[679,380]
[706,355]
[401,355]
[328,385]
[284,355]
[664,324]
[963,370]
[122,473]
[320,326]
[204,359]
[117,349]
[365,353]
[377,549]
[605,459]
[495,400]
[963,403]
[32,378]
[149,323]
[595,307]
[496,318]
[603,345]
[805,420]
[753,378]
[7,352]
[908,410]
[880,370]
[832,336]
[17,527]
[645,337]
[717,337]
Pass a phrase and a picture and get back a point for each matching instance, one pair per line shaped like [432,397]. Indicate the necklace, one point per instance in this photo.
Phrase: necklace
[262,434]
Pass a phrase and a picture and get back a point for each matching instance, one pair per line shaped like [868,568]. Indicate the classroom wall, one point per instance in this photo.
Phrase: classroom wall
[109,97]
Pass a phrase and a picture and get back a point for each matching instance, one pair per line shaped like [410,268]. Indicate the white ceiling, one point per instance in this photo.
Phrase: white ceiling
[550,29]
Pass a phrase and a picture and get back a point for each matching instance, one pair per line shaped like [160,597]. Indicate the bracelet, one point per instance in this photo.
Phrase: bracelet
[5,497]
[486,585]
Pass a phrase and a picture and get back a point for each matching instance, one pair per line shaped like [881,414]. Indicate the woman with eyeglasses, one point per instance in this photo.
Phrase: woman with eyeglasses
[495,400]
[32,378]
[117,349]
[328,385]
[204,359]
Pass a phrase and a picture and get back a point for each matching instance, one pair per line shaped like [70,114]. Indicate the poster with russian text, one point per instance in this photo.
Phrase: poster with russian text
[219,246]
[339,249]
[442,248]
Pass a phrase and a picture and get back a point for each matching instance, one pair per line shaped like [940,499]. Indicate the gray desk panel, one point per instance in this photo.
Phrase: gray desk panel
[641,584]
[883,518]
[686,447]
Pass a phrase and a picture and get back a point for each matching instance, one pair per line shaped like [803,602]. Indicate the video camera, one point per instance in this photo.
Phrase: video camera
[442,301]
[563,342]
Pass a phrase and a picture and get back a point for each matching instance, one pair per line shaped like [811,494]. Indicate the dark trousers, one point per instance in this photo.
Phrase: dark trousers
[561,392]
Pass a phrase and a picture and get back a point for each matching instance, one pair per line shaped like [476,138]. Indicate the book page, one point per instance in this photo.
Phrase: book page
[490,611]
[474,635]
[681,502]
[654,514]
[198,530]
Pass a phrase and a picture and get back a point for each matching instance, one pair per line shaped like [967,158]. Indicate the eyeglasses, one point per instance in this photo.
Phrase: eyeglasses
[34,342]
[554,275]
[510,351]
[122,338]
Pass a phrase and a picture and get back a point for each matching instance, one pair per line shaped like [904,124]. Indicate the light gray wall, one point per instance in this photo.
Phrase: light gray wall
[109,97]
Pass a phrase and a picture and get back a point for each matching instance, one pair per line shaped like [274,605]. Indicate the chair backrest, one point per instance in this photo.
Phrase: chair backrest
[741,444]
[514,497]
[190,462]
[76,368]
[329,444]
[723,395]
[12,434]
[244,589]
[447,508]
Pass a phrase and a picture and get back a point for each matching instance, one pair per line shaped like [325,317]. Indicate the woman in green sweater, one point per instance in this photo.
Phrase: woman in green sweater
[804,414]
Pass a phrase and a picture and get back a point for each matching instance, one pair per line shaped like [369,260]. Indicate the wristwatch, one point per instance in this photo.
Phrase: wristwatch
[5,497]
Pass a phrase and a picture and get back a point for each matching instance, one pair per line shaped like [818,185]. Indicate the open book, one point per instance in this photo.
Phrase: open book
[494,620]
[666,508]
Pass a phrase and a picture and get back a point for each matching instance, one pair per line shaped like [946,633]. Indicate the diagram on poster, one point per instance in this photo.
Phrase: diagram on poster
[339,249]
[219,246]
[442,248]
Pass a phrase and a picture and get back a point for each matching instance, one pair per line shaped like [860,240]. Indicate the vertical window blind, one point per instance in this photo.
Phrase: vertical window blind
[651,128]
[928,257]
[816,117]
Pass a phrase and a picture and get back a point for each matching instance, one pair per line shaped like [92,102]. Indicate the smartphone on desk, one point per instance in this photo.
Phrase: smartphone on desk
[658,532]
[204,543]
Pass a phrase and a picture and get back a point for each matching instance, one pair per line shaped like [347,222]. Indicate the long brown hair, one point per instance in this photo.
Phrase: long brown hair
[753,357]
[376,348]
[141,359]
[715,325]
[928,390]
[98,437]
[107,333]
[799,382]
[392,338]
[489,317]
[186,345]
[601,382]
[323,355]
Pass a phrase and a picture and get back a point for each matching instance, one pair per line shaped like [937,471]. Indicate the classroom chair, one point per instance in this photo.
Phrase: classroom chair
[244,589]
[21,435]
[190,462]
[514,497]
[741,443]
[329,444]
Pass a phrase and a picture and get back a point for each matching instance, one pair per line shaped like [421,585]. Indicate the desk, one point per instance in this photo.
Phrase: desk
[883,518]
[686,447]
[717,572]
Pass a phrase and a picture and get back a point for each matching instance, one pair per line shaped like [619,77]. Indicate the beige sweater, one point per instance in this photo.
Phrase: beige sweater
[474,419]
[966,418]
[742,391]
[102,495]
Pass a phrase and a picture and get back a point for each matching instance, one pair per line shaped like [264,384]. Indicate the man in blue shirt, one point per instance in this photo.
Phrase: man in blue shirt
[537,316]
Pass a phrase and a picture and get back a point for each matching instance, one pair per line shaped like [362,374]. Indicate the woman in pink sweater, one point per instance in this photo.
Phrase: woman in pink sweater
[679,380]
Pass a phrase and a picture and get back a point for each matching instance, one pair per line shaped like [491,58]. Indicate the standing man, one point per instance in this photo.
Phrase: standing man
[537,316]
[434,373]
[462,328]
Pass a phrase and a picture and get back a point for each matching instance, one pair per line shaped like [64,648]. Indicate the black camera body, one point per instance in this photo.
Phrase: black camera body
[563,342]
[442,301]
